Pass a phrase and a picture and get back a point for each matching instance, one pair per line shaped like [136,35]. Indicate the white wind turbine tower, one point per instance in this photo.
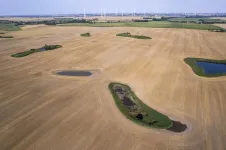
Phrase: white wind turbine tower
[101,12]
[144,12]
[84,13]
[104,12]
[122,12]
[134,12]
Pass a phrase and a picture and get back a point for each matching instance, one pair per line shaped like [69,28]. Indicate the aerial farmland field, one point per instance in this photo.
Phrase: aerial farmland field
[40,110]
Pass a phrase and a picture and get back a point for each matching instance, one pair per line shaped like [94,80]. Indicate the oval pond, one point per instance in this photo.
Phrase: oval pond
[73,73]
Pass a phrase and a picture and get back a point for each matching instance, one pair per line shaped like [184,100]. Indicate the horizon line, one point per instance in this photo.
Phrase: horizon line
[91,13]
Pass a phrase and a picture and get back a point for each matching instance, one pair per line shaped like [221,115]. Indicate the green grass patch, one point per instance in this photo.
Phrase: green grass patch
[127,34]
[189,19]
[202,19]
[6,36]
[199,70]
[31,51]
[86,34]
[9,27]
[217,30]
[151,24]
[139,113]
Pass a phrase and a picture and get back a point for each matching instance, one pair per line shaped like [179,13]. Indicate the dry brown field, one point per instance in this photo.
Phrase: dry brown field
[26,27]
[41,111]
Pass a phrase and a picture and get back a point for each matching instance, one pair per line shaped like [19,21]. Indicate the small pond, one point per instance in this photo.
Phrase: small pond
[177,127]
[42,49]
[212,68]
[73,73]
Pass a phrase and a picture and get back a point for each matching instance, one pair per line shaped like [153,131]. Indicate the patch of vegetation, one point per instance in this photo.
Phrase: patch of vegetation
[127,34]
[217,30]
[86,35]
[31,51]
[54,21]
[6,36]
[199,70]
[134,109]
[51,47]
[150,24]
[2,33]
[9,27]
[200,20]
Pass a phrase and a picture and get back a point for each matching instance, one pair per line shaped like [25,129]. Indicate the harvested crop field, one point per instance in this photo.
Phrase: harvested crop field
[26,27]
[40,111]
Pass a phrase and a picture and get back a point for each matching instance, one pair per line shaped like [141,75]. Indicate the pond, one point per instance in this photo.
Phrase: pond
[212,68]
[42,49]
[73,73]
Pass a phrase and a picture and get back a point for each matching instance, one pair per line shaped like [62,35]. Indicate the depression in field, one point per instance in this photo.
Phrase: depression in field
[112,75]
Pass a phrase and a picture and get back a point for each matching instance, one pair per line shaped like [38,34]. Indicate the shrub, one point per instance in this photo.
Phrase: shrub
[86,34]
[217,30]
[51,47]
[44,48]
[6,36]
[127,34]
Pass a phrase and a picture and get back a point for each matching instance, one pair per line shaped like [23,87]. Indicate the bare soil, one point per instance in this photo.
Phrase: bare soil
[39,111]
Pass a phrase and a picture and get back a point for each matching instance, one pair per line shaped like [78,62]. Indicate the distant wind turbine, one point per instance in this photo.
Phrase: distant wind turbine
[104,12]
[101,12]
[84,13]
[134,12]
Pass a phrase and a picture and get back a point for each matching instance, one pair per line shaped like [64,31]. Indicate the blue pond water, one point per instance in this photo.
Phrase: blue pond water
[212,68]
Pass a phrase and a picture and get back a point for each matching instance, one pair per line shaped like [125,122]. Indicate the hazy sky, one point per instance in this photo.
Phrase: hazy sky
[33,7]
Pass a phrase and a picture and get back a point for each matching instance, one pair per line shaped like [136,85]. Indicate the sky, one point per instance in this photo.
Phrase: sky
[46,7]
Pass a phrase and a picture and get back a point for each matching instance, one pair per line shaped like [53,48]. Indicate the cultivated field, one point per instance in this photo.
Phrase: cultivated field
[152,24]
[113,18]
[107,18]
[40,111]
[26,27]
[27,18]
[9,27]
[223,18]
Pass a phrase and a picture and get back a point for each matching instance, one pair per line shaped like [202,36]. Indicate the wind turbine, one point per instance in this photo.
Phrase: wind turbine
[101,12]
[104,12]
[84,13]
[144,12]
[134,12]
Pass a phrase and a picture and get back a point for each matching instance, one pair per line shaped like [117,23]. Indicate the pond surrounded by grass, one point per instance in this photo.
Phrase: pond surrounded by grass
[73,73]
[207,67]
[134,109]
[212,68]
